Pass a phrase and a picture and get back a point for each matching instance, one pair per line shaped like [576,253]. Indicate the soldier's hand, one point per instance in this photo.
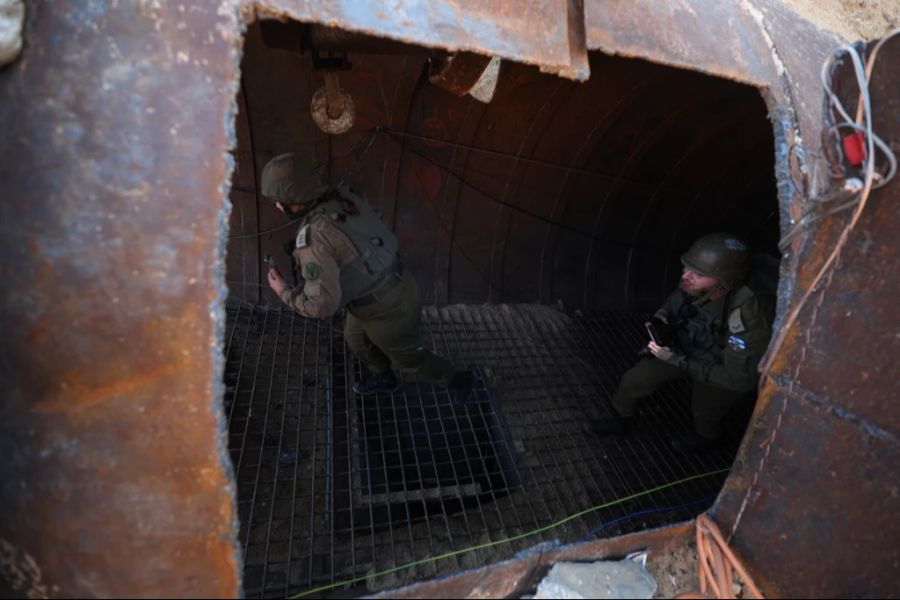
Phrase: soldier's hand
[276,281]
[665,354]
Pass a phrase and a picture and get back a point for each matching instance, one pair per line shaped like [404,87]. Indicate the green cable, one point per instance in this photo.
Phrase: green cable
[521,536]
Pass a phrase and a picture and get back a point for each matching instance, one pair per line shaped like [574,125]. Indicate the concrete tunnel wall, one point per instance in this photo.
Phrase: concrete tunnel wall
[115,165]
[583,193]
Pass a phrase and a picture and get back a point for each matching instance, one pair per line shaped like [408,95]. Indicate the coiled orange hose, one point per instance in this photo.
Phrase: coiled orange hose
[716,565]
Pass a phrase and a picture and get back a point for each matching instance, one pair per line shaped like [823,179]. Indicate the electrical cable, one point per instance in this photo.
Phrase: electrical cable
[514,207]
[536,161]
[717,564]
[521,536]
[353,148]
[865,110]
[834,102]
[648,511]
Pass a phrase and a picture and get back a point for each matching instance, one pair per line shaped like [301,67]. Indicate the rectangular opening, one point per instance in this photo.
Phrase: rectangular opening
[415,453]
[542,228]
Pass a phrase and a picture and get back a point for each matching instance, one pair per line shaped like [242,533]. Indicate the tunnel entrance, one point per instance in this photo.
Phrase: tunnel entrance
[542,228]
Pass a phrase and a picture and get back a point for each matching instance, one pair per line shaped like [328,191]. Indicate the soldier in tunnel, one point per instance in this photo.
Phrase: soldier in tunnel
[713,329]
[348,258]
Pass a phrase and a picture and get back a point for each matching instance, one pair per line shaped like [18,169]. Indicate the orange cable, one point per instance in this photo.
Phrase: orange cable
[716,564]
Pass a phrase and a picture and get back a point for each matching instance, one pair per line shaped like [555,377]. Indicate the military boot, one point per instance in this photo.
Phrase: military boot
[461,387]
[692,443]
[614,425]
[380,382]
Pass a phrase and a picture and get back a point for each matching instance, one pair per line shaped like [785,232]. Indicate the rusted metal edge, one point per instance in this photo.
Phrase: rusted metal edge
[514,577]
[549,33]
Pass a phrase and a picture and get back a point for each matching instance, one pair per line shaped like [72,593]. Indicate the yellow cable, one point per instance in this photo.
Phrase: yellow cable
[506,540]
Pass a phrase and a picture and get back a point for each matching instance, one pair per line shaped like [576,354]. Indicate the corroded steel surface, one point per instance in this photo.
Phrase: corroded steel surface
[117,120]
[813,506]
[761,42]
[548,33]
[114,479]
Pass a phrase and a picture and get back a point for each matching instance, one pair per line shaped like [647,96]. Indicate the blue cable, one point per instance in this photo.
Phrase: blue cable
[644,512]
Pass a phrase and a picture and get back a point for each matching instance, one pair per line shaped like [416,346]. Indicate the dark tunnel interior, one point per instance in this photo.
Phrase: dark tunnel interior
[541,227]
[584,193]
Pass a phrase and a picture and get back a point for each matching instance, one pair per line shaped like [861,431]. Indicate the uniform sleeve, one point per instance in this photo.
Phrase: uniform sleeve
[320,260]
[742,354]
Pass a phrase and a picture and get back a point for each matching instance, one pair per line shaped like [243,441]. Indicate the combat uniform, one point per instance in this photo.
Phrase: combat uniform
[722,342]
[347,258]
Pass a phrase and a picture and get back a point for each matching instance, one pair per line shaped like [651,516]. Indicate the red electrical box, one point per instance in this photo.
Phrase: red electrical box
[855,148]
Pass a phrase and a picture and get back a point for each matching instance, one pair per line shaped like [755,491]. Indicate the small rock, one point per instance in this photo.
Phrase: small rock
[601,579]
[12,16]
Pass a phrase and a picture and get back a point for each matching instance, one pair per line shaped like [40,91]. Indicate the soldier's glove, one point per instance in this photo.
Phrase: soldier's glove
[668,355]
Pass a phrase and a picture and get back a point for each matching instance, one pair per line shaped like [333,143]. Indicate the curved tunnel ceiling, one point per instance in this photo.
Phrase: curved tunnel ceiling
[584,193]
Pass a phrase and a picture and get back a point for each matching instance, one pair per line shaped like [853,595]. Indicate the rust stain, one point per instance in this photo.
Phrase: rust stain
[74,396]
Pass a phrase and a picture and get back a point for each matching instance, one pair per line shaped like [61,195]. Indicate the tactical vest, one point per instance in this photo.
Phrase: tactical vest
[703,331]
[376,244]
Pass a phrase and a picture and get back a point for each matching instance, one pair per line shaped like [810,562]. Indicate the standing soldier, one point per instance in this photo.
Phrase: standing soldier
[720,330]
[348,258]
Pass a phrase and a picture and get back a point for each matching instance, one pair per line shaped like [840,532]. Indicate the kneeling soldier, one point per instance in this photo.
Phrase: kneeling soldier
[721,329]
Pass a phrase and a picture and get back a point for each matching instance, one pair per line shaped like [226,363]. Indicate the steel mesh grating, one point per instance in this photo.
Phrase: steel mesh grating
[332,486]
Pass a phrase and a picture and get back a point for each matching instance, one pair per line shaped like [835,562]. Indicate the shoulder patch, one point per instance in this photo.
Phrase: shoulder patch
[735,324]
[302,240]
[310,271]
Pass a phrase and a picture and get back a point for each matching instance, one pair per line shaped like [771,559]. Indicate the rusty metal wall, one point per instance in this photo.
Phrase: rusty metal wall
[767,47]
[814,506]
[547,33]
[113,478]
[118,121]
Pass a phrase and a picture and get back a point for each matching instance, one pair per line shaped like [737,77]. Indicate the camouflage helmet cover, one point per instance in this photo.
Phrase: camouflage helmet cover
[723,256]
[290,179]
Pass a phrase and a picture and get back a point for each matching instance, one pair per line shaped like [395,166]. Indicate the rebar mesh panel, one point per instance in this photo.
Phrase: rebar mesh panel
[417,446]
[332,486]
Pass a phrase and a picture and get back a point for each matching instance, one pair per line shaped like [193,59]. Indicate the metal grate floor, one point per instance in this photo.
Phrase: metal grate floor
[332,486]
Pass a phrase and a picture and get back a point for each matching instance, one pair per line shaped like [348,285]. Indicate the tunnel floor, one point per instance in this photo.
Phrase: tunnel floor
[332,487]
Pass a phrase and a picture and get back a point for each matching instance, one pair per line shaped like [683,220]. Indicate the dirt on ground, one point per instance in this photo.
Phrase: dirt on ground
[675,571]
[851,19]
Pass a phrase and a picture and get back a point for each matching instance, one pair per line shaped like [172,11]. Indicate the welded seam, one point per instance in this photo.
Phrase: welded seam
[840,412]
[768,448]
[795,145]
[729,126]
[454,218]
[790,392]
[557,213]
[637,154]
[501,213]
[392,111]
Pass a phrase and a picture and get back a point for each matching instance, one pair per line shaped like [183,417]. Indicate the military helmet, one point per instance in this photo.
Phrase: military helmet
[290,179]
[719,255]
